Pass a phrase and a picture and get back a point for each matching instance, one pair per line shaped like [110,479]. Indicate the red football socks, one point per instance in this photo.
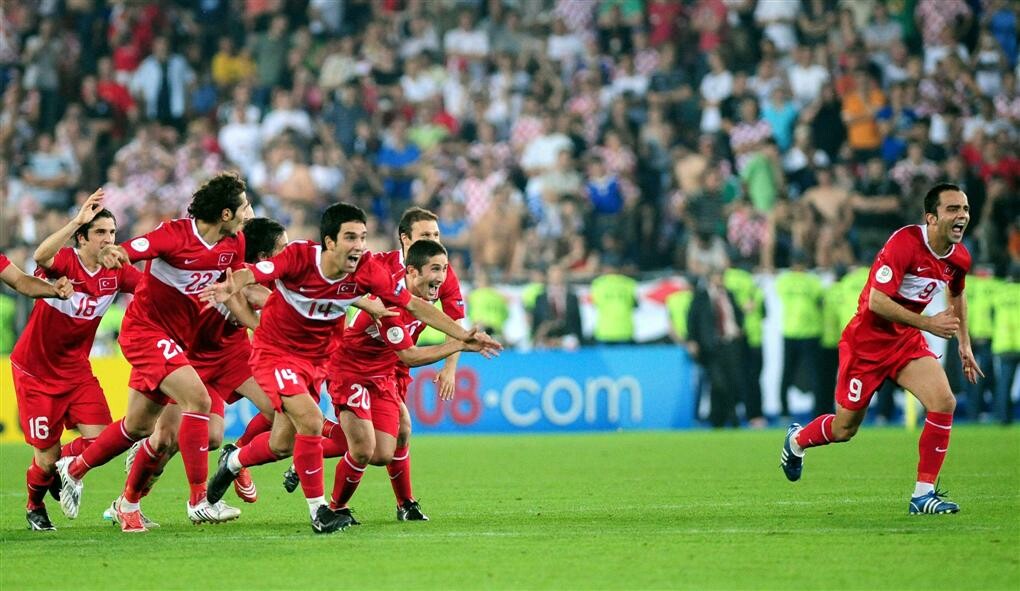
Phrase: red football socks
[193,441]
[146,463]
[113,441]
[399,469]
[256,426]
[334,441]
[38,483]
[76,447]
[257,452]
[308,464]
[817,432]
[932,445]
[348,477]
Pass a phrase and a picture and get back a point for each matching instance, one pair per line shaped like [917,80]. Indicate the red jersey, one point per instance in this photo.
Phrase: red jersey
[58,339]
[449,291]
[909,272]
[217,336]
[180,264]
[369,350]
[302,312]
[4,262]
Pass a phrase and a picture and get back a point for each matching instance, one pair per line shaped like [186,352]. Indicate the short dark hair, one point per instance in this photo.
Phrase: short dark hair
[337,215]
[223,191]
[260,237]
[421,251]
[83,230]
[411,216]
[931,200]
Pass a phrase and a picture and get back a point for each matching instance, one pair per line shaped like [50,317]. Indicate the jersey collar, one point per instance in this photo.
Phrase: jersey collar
[924,236]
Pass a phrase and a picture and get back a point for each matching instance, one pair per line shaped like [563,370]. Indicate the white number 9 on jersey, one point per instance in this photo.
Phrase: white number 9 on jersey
[855,390]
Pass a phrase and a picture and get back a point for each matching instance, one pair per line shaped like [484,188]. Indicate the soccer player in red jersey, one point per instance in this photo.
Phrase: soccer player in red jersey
[220,355]
[183,257]
[363,372]
[315,283]
[53,379]
[32,287]
[884,340]
[415,224]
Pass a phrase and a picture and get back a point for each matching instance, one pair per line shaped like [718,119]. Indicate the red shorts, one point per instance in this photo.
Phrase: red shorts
[859,378]
[224,374]
[370,399]
[45,409]
[153,356]
[403,383]
[280,374]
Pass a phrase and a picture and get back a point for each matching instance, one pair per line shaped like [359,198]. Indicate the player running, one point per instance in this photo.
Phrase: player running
[220,355]
[315,283]
[415,224]
[366,368]
[884,340]
[184,256]
[53,380]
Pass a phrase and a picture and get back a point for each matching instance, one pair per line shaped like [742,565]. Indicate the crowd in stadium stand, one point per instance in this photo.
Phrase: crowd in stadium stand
[593,136]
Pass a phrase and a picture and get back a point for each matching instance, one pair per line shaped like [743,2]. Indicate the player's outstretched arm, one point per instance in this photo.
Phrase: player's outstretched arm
[49,247]
[219,293]
[438,319]
[971,369]
[375,308]
[256,295]
[418,356]
[35,287]
[241,312]
[945,324]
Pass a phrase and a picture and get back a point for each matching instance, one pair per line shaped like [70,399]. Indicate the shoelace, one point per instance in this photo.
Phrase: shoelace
[939,493]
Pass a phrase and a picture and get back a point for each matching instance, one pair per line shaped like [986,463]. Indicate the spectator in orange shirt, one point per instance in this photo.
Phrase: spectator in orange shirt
[859,109]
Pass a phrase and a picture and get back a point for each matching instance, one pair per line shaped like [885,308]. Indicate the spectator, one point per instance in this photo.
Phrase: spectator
[615,298]
[715,340]
[1006,341]
[486,307]
[860,109]
[50,174]
[800,294]
[162,82]
[556,320]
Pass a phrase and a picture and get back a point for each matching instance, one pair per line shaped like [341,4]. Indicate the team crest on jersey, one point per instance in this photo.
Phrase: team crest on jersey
[108,284]
[884,274]
[225,259]
[140,244]
[395,334]
[346,288]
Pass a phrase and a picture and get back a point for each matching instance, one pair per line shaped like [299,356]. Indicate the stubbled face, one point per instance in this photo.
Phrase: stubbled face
[953,216]
[103,232]
[425,282]
[349,245]
[243,213]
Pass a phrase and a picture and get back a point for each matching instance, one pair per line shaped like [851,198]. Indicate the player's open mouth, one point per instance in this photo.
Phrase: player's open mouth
[433,291]
[353,258]
[958,227]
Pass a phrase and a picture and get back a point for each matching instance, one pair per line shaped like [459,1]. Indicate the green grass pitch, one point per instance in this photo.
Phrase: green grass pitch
[694,510]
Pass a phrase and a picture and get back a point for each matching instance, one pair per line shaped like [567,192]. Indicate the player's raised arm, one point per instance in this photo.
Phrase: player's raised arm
[49,247]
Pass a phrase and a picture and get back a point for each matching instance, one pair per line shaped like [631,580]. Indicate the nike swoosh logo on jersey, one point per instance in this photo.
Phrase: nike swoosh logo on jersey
[76,282]
[941,450]
[303,289]
[920,269]
[310,472]
[189,261]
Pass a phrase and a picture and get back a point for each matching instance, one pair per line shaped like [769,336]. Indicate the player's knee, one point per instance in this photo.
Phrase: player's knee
[139,430]
[47,462]
[215,440]
[944,404]
[281,450]
[360,454]
[381,458]
[163,442]
[841,433]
